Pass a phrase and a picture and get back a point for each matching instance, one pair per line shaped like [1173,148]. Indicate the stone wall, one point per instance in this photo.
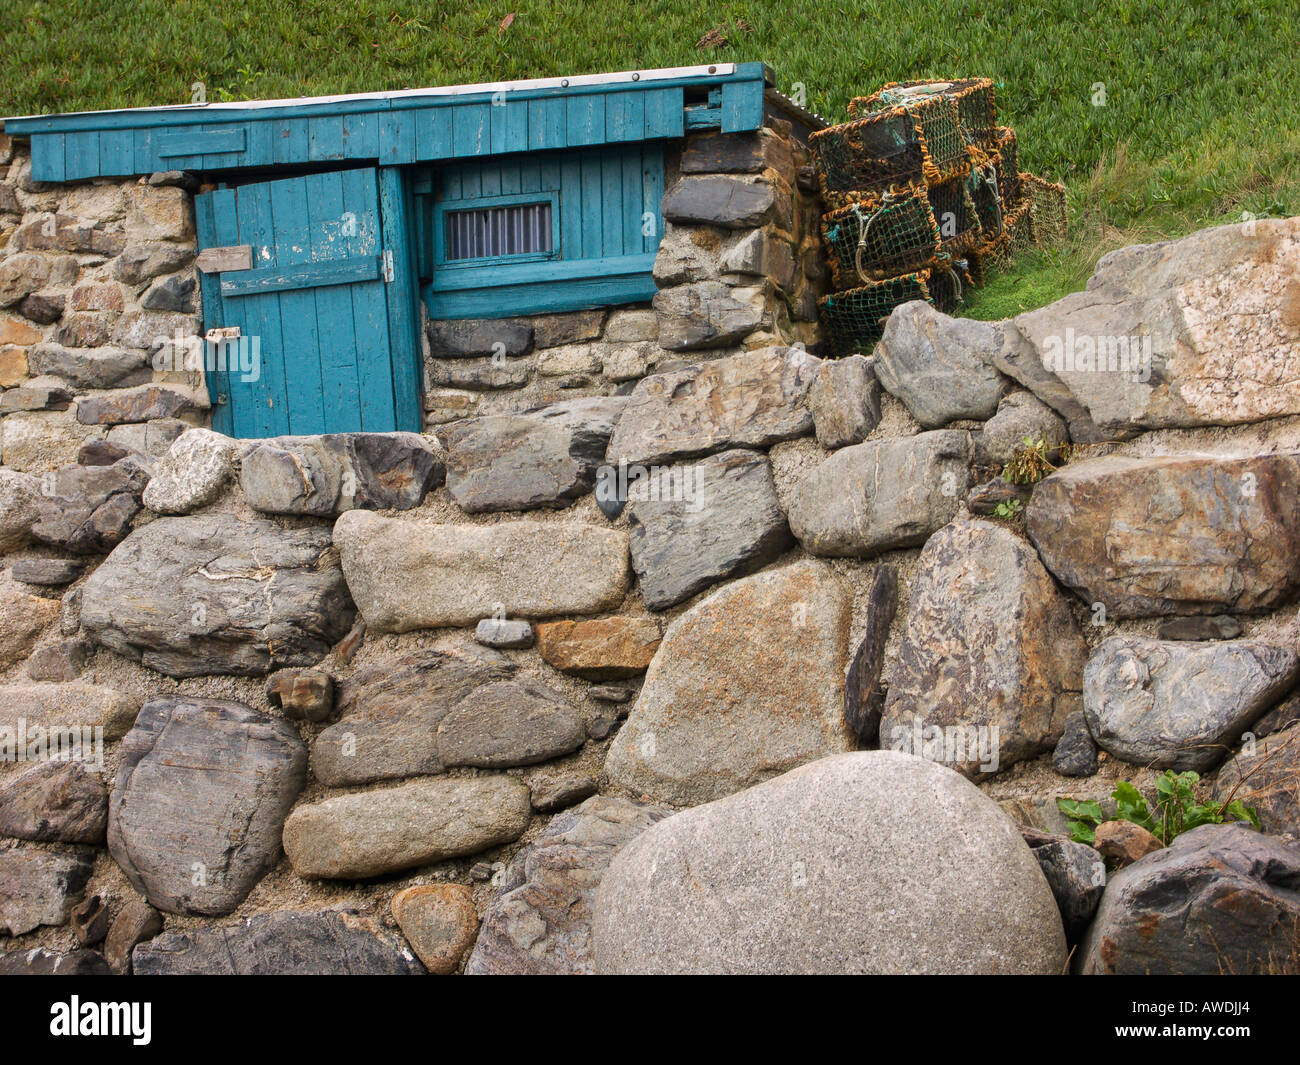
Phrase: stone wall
[397,702]
[93,276]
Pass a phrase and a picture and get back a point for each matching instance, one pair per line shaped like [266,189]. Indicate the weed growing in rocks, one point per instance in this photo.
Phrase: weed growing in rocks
[1177,809]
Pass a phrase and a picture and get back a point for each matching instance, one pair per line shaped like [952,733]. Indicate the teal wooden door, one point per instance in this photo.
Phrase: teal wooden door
[328,306]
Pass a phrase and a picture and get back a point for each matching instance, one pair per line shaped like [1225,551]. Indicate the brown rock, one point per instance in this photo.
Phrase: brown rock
[141,404]
[23,618]
[302,693]
[749,683]
[16,331]
[1124,842]
[89,920]
[13,365]
[55,802]
[440,923]
[135,923]
[1265,774]
[864,699]
[599,649]
[1172,535]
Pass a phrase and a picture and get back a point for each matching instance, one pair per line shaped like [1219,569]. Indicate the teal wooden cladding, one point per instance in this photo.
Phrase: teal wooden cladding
[605,212]
[334,338]
[390,130]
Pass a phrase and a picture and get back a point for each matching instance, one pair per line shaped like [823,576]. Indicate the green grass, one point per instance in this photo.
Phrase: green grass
[1198,125]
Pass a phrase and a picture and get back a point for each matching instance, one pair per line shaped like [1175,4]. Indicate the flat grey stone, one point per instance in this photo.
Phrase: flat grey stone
[504,633]
[333,942]
[543,458]
[882,494]
[216,594]
[389,715]
[371,833]
[1220,898]
[693,525]
[1171,704]
[39,887]
[55,802]
[940,367]
[202,791]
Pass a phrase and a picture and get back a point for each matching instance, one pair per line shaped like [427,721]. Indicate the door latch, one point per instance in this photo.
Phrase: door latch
[387,265]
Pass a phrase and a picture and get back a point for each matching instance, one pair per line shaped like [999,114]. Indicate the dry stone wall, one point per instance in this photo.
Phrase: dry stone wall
[437,702]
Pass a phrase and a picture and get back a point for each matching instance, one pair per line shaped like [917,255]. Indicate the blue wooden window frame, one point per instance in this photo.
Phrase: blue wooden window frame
[481,203]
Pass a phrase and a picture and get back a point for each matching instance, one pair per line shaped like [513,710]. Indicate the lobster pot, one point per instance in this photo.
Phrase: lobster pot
[948,286]
[955,215]
[976,107]
[920,142]
[1003,157]
[855,319]
[1047,210]
[1017,234]
[880,238]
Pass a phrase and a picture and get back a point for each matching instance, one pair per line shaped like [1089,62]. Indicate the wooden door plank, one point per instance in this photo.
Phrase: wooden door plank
[369,306]
[299,340]
[209,291]
[403,310]
[270,409]
[340,384]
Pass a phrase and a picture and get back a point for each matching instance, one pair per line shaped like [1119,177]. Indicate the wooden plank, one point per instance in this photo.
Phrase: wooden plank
[570,174]
[370,307]
[210,294]
[261,143]
[490,179]
[471,129]
[325,138]
[586,119]
[299,337]
[233,257]
[630,167]
[652,194]
[269,413]
[289,143]
[278,278]
[340,390]
[593,214]
[510,176]
[146,157]
[509,126]
[116,153]
[49,157]
[664,113]
[543,297]
[202,142]
[406,361]
[433,133]
[361,135]
[241,404]
[624,116]
[463,279]
[611,196]
[742,105]
[81,156]
[546,124]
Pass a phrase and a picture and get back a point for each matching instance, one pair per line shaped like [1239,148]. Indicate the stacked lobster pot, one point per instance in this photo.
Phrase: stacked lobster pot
[922,190]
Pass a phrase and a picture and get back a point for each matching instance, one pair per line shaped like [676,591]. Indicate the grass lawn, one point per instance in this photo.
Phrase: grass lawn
[1159,118]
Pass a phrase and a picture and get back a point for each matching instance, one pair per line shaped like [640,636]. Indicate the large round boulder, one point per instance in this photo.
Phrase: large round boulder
[869,862]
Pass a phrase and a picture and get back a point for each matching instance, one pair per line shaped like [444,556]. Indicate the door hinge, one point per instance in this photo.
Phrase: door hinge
[388,266]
